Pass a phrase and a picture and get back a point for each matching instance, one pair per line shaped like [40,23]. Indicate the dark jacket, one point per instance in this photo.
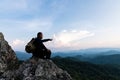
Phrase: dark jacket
[40,47]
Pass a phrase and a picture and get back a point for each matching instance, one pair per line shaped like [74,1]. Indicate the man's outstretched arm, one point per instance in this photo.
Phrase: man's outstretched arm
[45,40]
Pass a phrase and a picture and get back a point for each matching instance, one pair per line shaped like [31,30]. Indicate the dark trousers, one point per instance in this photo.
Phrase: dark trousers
[46,54]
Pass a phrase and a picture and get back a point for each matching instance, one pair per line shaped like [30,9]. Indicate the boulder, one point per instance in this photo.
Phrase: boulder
[41,69]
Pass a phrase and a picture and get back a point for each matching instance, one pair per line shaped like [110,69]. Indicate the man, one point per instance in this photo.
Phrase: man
[41,51]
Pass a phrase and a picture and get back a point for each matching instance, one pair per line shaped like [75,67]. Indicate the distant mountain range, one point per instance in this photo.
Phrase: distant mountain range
[86,53]
[22,55]
[91,52]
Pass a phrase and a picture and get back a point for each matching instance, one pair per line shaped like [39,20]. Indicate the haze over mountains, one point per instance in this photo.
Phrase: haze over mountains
[93,55]
[89,53]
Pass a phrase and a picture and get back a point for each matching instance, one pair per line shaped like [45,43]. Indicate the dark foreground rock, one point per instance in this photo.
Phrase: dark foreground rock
[7,56]
[32,69]
[39,69]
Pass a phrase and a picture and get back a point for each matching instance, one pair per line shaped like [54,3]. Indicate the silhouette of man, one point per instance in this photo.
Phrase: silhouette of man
[41,51]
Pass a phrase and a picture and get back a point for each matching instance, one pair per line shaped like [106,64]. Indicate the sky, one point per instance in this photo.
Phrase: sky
[72,24]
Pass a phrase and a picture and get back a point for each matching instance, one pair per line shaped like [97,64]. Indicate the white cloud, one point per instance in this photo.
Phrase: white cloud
[69,39]
[18,44]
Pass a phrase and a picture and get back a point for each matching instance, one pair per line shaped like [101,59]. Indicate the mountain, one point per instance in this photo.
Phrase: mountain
[80,70]
[32,69]
[65,54]
[106,59]
[86,53]
[23,55]
[110,57]
[40,69]
[91,52]
[98,50]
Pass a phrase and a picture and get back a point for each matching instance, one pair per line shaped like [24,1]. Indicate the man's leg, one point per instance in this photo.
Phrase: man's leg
[41,54]
[48,54]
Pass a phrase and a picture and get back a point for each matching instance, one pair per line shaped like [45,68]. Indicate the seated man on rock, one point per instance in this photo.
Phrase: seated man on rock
[41,51]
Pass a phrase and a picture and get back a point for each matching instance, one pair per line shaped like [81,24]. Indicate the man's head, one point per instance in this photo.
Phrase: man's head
[39,35]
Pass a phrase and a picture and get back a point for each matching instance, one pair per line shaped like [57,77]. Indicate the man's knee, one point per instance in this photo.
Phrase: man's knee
[48,51]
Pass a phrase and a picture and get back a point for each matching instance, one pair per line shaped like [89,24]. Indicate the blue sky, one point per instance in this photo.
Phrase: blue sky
[72,24]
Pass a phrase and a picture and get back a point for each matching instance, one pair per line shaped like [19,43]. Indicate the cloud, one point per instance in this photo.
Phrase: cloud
[17,44]
[70,38]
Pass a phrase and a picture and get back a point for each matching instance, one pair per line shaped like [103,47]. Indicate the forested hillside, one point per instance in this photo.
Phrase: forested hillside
[87,71]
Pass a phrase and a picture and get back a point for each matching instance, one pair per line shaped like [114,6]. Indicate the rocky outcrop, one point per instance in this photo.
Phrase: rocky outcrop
[32,69]
[7,56]
[39,69]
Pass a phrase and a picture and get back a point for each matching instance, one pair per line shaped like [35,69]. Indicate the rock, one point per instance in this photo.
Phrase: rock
[8,58]
[32,69]
[40,69]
